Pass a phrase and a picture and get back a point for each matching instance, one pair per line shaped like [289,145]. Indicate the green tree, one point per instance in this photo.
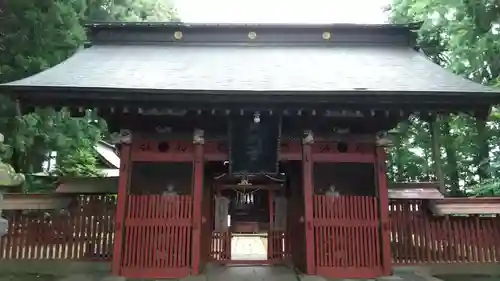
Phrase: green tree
[36,35]
[461,35]
[132,10]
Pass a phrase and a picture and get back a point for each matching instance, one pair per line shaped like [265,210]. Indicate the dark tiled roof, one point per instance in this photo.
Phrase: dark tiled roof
[336,63]
[253,68]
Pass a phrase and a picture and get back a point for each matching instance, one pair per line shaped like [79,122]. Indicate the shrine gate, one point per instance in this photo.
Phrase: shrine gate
[276,131]
[159,235]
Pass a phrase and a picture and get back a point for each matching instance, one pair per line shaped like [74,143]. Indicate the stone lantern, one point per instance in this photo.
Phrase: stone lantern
[8,178]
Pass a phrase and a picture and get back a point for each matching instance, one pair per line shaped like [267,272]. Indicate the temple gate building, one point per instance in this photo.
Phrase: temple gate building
[276,130]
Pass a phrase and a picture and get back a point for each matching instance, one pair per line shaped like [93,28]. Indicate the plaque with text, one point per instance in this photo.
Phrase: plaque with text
[254,146]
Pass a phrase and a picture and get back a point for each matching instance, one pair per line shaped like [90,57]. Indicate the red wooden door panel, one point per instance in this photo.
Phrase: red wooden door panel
[347,236]
[157,238]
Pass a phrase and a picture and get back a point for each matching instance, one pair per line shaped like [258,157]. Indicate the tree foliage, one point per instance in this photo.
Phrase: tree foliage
[36,35]
[132,10]
[462,36]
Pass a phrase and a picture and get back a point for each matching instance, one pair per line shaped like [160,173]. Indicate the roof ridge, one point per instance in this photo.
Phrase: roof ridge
[124,25]
[123,32]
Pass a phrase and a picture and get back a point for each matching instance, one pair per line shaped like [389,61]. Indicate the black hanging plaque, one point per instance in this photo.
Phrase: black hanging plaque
[254,145]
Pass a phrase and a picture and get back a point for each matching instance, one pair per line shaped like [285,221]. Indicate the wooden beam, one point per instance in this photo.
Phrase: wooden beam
[88,186]
[50,201]
[324,150]
[415,190]
[465,206]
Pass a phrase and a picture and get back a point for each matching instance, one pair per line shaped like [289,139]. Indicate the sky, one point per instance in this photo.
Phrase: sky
[282,11]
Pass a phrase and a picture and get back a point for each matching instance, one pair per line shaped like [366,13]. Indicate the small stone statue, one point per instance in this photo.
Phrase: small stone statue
[332,191]
[170,191]
[123,137]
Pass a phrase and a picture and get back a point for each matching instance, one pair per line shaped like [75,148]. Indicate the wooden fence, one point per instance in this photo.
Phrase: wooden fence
[157,240]
[418,237]
[347,236]
[84,231]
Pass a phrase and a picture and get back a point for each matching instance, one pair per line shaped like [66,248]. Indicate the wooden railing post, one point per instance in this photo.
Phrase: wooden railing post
[307,185]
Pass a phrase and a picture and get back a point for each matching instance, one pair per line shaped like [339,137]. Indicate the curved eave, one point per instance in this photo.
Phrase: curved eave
[69,95]
[187,73]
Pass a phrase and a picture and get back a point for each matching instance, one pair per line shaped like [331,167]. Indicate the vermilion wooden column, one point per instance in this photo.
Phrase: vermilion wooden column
[383,194]
[197,193]
[123,182]
[307,184]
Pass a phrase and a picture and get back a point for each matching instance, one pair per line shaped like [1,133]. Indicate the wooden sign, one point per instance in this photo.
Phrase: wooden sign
[254,145]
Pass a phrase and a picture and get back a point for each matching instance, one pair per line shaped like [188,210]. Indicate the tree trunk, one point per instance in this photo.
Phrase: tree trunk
[483,159]
[436,152]
[399,150]
[451,158]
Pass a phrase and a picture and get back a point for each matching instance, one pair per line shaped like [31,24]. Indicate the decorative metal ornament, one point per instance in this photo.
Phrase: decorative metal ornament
[383,139]
[163,129]
[342,131]
[308,137]
[244,182]
[252,35]
[178,35]
[199,136]
[123,137]
[326,35]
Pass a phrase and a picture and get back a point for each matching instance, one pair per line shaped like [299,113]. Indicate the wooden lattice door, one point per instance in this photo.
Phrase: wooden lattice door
[157,237]
[347,236]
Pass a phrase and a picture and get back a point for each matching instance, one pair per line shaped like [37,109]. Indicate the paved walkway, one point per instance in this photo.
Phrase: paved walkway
[255,248]
[283,273]
[249,248]
[251,273]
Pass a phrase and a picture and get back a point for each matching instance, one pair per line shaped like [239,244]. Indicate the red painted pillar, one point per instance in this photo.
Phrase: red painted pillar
[123,182]
[383,194]
[197,193]
[307,185]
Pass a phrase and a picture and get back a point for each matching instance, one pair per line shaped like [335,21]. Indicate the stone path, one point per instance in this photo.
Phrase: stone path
[252,273]
[248,248]
[283,273]
[243,248]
